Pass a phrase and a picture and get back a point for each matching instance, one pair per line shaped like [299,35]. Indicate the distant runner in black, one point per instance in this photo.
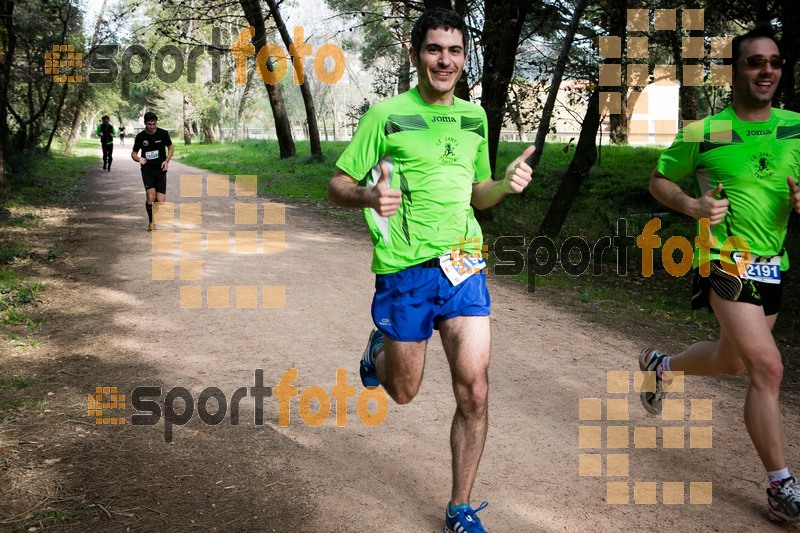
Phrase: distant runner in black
[156,151]
[106,132]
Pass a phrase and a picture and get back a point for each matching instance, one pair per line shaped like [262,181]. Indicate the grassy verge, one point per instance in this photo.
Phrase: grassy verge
[615,190]
[36,188]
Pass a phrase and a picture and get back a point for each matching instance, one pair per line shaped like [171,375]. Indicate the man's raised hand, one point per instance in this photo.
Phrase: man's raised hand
[382,198]
[518,173]
[709,207]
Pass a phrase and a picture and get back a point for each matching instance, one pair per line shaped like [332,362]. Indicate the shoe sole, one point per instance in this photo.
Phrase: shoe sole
[774,516]
[643,396]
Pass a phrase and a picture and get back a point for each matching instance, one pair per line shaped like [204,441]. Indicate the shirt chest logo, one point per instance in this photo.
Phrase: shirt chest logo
[448,150]
[763,165]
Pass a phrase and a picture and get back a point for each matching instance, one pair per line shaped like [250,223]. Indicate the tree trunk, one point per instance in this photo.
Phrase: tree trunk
[80,99]
[305,91]
[617,15]
[579,167]
[57,121]
[790,43]
[8,42]
[187,131]
[208,133]
[501,31]
[283,129]
[555,83]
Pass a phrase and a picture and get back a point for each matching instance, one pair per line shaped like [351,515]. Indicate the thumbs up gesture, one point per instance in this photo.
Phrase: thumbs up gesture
[382,198]
[518,173]
[794,193]
[707,206]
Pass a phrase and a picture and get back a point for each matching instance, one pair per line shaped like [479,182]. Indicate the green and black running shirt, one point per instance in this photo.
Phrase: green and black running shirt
[434,154]
[752,161]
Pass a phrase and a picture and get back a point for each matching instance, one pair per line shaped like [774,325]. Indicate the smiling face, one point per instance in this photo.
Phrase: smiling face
[755,86]
[439,62]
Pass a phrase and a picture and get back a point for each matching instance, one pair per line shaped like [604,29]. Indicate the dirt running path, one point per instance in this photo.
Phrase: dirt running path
[110,324]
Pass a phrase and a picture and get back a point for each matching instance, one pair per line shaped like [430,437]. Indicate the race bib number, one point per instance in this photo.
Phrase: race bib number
[458,268]
[152,154]
[763,269]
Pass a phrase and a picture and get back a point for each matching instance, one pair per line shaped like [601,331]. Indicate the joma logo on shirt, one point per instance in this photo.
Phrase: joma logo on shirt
[440,118]
[751,133]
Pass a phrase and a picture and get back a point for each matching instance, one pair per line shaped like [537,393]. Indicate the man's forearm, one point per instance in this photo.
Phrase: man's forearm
[345,192]
[671,195]
[488,194]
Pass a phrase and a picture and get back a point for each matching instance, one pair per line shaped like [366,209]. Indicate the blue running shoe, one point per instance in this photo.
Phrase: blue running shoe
[369,377]
[464,521]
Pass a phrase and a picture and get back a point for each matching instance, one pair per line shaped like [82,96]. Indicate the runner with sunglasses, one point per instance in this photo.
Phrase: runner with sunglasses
[745,161]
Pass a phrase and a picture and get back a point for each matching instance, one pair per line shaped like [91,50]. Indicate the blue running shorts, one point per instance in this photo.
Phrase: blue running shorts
[408,305]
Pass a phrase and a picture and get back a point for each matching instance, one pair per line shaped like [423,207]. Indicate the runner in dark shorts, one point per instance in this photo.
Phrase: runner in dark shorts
[106,132]
[745,183]
[153,149]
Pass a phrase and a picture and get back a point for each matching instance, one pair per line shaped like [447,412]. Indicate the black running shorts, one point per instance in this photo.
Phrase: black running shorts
[155,178]
[734,289]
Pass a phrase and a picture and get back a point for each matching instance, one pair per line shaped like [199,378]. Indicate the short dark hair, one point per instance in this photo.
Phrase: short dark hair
[434,19]
[761,31]
[150,117]
[105,117]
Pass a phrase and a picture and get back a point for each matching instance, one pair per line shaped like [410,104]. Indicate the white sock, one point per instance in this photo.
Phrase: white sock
[776,476]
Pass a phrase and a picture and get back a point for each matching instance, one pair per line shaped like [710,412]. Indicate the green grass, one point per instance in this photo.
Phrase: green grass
[297,178]
[15,382]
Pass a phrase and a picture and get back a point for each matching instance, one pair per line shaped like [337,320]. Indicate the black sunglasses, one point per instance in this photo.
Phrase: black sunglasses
[760,61]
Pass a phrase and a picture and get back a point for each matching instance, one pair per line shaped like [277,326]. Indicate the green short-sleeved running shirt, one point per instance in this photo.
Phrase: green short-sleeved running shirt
[752,161]
[434,154]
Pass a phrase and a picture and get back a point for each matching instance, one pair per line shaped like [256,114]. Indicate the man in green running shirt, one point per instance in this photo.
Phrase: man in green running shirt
[745,161]
[423,155]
